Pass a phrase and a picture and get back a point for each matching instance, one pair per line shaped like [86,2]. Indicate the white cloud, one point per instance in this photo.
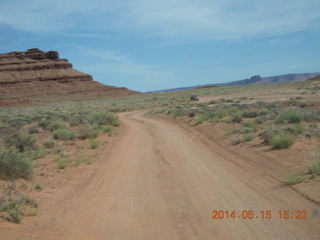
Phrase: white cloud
[183,19]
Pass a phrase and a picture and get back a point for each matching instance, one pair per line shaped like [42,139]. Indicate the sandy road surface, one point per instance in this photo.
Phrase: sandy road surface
[161,181]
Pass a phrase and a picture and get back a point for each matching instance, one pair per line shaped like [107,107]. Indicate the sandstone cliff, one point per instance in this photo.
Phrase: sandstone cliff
[34,74]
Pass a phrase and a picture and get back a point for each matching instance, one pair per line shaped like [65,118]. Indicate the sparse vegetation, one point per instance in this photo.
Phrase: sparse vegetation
[38,187]
[61,163]
[89,131]
[81,159]
[49,143]
[293,178]
[14,165]
[203,117]
[108,129]
[17,205]
[64,134]
[282,140]
[314,168]
[94,144]
[22,142]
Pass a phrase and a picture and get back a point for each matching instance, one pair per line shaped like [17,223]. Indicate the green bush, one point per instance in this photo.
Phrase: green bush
[293,178]
[16,205]
[236,118]
[76,120]
[314,168]
[14,165]
[88,131]
[81,159]
[247,138]
[282,140]
[107,129]
[61,163]
[235,141]
[269,132]
[94,144]
[291,115]
[116,122]
[58,124]
[33,129]
[251,126]
[232,131]
[102,118]
[21,141]
[251,114]
[64,134]
[49,143]
[203,117]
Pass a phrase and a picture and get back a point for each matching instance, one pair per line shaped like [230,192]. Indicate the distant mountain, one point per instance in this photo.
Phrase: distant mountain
[257,79]
[275,79]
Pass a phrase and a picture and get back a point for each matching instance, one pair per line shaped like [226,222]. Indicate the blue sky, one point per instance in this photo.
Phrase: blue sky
[149,45]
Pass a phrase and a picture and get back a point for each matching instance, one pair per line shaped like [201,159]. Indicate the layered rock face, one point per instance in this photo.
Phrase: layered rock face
[25,76]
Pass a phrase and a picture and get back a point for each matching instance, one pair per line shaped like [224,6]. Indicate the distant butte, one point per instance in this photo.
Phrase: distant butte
[35,74]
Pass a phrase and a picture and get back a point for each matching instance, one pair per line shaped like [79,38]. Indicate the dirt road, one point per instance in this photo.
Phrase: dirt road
[161,181]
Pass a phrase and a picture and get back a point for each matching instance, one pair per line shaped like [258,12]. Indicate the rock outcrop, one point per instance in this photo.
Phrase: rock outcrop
[34,74]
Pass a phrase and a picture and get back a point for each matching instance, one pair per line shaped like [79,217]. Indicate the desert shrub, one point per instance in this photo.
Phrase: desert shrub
[44,124]
[38,187]
[93,144]
[33,129]
[102,118]
[249,127]
[235,141]
[260,120]
[61,163]
[269,132]
[296,115]
[108,130]
[231,131]
[290,115]
[49,143]
[250,114]
[293,178]
[16,205]
[236,118]
[88,131]
[282,140]
[314,168]
[14,165]
[311,116]
[64,134]
[57,124]
[295,129]
[246,130]
[37,153]
[116,122]
[177,112]
[19,121]
[247,138]
[76,120]
[21,141]
[202,117]
[81,159]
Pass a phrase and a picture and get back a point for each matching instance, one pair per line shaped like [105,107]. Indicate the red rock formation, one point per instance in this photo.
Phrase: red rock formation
[25,76]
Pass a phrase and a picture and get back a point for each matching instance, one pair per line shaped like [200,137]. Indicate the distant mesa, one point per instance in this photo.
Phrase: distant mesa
[34,74]
[316,78]
[254,80]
